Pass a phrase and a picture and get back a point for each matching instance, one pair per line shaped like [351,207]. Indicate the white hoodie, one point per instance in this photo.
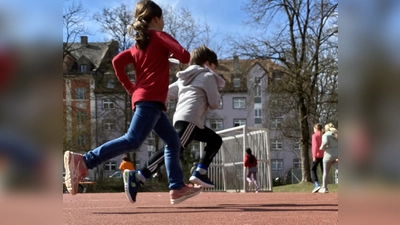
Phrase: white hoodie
[196,90]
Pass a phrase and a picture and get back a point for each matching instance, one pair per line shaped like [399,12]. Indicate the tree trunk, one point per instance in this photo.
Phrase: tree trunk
[304,139]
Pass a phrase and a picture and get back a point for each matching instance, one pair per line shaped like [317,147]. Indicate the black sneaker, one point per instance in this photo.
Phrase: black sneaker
[200,179]
[131,184]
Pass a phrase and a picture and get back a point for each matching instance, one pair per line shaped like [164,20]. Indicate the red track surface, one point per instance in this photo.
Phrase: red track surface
[207,208]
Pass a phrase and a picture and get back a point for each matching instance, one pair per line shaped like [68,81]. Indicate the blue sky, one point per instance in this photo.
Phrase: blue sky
[223,16]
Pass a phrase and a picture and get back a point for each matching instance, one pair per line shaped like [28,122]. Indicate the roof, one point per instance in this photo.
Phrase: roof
[226,68]
[93,51]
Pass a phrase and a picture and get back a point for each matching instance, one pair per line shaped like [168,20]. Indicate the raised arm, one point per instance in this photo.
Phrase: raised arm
[119,62]
[178,52]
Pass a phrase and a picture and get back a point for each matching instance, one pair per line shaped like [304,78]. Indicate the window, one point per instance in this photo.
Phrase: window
[296,163]
[137,165]
[81,105]
[80,93]
[236,82]
[296,145]
[81,140]
[278,75]
[151,148]
[110,83]
[83,68]
[239,122]
[239,103]
[276,102]
[257,90]
[81,117]
[257,93]
[276,123]
[276,144]
[110,166]
[277,164]
[257,116]
[108,103]
[108,124]
[216,124]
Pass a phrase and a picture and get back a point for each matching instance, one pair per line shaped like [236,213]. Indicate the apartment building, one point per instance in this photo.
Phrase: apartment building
[246,100]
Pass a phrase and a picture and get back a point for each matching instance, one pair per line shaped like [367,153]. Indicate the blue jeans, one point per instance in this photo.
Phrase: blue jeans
[148,116]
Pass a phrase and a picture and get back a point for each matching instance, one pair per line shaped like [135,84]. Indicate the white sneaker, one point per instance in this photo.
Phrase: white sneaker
[75,171]
[323,190]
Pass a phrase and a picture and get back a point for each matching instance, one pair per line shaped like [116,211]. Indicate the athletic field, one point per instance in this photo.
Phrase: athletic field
[207,208]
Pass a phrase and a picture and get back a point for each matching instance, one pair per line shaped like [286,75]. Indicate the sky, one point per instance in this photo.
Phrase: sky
[225,17]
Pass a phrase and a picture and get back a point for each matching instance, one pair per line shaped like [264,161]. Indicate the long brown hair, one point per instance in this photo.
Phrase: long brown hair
[144,12]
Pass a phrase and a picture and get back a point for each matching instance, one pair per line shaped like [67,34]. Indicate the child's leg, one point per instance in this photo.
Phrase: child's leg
[248,176]
[167,133]
[186,132]
[325,176]
[213,144]
[144,119]
[314,168]
[319,160]
[255,180]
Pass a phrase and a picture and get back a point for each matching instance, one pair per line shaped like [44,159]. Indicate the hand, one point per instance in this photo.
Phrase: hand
[314,159]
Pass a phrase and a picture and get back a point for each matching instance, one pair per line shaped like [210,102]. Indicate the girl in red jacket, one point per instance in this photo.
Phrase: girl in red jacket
[317,155]
[150,58]
[250,162]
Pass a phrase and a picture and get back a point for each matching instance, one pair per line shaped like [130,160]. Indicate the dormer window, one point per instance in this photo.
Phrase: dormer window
[110,84]
[236,82]
[278,75]
[83,68]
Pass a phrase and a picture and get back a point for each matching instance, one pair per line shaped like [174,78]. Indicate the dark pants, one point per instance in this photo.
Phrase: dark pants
[314,167]
[187,133]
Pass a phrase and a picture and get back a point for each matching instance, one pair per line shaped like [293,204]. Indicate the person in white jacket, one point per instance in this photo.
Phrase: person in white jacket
[197,90]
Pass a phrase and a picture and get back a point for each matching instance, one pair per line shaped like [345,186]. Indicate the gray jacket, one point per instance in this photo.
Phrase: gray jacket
[330,145]
[196,90]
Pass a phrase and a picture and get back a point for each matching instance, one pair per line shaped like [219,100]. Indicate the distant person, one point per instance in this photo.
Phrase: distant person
[250,162]
[317,155]
[331,147]
[126,164]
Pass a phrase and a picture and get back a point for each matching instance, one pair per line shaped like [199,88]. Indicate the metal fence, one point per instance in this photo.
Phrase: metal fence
[227,170]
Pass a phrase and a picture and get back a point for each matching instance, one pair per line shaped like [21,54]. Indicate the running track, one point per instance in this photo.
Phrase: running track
[207,208]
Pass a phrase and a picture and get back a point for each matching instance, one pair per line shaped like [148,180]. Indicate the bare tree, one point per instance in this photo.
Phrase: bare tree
[189,32]
[299,35]
[74,16]
[114,21]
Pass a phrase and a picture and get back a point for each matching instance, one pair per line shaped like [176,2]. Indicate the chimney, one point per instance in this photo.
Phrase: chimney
[84,40]
[236,63]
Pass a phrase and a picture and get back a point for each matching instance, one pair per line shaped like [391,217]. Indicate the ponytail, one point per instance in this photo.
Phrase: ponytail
[145,11]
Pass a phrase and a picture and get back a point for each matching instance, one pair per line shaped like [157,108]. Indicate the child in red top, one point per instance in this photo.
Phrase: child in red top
[317,155]
[149,57]
[250,162]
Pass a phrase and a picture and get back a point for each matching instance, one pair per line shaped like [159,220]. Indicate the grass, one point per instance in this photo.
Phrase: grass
[303,187]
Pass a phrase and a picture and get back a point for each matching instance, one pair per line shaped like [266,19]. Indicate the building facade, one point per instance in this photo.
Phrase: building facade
[246,100]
